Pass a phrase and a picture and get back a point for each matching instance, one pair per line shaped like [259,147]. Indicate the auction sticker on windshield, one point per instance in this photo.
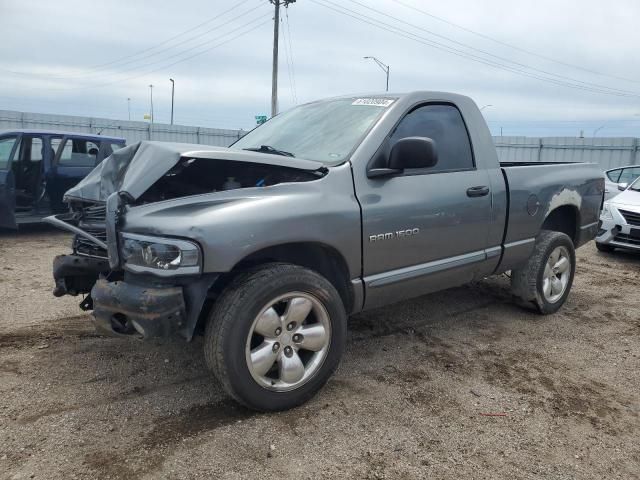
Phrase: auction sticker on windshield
[376,102]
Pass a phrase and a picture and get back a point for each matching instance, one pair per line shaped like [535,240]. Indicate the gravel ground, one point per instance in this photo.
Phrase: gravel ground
[459,384]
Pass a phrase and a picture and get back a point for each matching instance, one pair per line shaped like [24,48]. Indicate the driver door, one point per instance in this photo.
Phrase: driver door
[426,229]
[8,147]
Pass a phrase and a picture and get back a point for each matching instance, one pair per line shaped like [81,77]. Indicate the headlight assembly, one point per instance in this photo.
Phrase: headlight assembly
[160,256]
[606,212]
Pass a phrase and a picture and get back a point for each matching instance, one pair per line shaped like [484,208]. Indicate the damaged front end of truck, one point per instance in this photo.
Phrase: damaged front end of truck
[138,254]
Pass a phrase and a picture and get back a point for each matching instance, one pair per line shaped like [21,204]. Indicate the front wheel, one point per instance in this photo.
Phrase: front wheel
[275,336]
[545,280]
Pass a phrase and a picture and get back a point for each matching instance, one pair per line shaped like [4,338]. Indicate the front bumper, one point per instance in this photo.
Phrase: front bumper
[616,232]
[76,274]
[120,308]
[145,307]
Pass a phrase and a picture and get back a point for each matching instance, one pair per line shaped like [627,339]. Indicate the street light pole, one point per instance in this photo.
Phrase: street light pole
[385,68]
[129,107]
[151,124]
[173,87]
[388,68]
[595,132]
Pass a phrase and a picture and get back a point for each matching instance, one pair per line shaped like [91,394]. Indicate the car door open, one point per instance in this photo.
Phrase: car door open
[8,147]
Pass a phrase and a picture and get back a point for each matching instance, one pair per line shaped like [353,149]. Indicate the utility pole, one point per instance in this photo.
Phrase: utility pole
[151,124]
[129,108]
[173,87]
[274,72]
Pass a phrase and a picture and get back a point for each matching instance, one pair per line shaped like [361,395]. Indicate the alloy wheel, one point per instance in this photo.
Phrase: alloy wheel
[557,272]
[288,341]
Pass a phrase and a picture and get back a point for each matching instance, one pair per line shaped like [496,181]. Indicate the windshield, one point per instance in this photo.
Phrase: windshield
[635,186]
[326,131]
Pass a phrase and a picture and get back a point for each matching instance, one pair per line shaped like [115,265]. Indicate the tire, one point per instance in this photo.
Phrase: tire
[274,297]
[603,247]
[534,284]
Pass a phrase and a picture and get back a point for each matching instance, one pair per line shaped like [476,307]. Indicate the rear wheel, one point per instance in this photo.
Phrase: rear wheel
[545,280]
[603,247]
[275,336]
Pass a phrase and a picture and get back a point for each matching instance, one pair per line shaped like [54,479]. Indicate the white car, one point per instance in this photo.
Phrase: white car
[619,178]
[620,221]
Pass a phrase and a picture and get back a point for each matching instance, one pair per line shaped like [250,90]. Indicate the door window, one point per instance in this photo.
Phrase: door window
[78,153]
[36,153]
[613,175]
[444,125]
[6,147]
[55,143]
[629,175]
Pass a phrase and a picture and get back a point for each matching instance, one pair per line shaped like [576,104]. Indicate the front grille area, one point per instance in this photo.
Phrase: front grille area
[628,239]
[632,218]
[92,220]
[94,213]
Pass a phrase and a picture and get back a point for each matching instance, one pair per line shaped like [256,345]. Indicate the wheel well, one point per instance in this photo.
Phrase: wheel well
[565,219]
[323,259]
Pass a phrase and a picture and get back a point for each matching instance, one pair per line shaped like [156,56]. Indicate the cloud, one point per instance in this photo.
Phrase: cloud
[84,60]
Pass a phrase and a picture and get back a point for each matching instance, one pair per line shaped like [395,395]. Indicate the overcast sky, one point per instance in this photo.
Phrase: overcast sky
[84,57]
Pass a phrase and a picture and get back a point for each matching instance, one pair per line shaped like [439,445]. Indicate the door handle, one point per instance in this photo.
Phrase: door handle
[479,191]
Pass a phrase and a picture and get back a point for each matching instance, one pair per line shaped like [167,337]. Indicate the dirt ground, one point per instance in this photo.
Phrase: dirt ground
[459,384]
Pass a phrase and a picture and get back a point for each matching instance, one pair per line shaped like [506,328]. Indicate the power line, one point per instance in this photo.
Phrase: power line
[514,47]
[289,67]
[103,66]
[489,54]
[186,51]
[164,67]
[412,36]
[286,55]
[252,23]
[190,39]
[293,70]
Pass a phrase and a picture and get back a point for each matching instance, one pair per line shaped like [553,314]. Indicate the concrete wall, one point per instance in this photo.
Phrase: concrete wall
[131,131]
[608,152]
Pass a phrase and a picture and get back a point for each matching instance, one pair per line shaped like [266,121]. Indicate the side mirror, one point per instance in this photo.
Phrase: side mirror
[622,186]
[409,152]
[413,152]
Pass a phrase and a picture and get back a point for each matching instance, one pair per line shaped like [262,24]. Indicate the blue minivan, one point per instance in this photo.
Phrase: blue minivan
[38,166]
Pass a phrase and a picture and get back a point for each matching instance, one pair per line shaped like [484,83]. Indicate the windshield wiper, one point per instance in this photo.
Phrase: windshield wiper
[270,149]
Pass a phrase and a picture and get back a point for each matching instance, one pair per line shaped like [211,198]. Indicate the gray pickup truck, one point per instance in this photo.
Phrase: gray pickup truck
[334,207]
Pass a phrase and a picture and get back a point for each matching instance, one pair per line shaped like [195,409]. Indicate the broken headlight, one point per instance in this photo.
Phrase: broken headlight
[160,256]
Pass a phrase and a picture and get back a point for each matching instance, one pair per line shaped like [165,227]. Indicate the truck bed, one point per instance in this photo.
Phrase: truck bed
[535,189]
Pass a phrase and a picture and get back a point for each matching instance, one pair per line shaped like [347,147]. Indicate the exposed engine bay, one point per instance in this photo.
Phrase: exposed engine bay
[195,176]
[76,274]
